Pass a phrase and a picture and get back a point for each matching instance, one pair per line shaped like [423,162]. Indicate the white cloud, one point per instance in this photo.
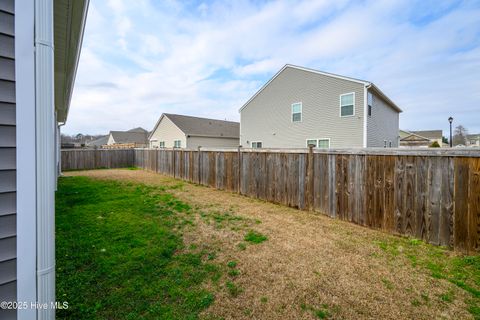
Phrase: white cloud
[207,59]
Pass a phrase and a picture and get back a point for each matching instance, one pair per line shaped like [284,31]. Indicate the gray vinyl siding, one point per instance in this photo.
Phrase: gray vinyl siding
[382,124]
[211,142]
[8,221]
[267,118]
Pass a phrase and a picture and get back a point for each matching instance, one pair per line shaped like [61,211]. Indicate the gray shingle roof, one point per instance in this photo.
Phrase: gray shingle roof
[430,134]
[129,136]
[98,142]
[203,127]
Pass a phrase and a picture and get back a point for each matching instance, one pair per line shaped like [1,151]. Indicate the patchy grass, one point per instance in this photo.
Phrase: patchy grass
[460,270]
[337,269]
[255,237]
[120,253]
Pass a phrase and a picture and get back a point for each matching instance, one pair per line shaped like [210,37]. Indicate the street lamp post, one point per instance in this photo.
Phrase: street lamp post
[450,120]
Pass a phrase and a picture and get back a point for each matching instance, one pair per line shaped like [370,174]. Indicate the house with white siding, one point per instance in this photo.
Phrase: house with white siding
[40,42]
[301,106]
[180,131]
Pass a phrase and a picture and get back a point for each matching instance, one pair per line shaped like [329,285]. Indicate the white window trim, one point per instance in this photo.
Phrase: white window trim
[340,104]
[318,140]
[251,144]
[160,144]
[301,111]
[175,142]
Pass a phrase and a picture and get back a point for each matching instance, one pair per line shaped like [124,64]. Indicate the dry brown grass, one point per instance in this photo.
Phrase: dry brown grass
[310,263]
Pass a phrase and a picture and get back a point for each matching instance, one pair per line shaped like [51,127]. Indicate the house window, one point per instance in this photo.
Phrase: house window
[161,144]
[177,143]
[384,143]
[347,104]
[312,142]
[324,143]
[256,144]
[389,144]
[297,112]
[369,103]
[369,110]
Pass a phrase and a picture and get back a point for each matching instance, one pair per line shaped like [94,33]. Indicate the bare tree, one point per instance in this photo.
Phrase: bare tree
[460,135]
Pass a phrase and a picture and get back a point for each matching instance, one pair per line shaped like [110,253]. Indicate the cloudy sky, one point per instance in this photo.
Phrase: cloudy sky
[141,58]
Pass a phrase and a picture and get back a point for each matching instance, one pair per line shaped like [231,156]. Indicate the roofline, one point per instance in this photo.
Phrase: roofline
[303,69]
[385,97]
[417,135]
[79,50]
[158,123]
[364,82]
[210,136]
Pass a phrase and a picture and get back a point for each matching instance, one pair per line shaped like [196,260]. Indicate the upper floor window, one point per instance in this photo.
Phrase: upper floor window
[347,104]
[369,103]
[256,144]
[296,112]
[161,144]
[177,143]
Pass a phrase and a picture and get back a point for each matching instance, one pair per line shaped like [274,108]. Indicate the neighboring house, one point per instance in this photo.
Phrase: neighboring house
[40,43]
[473,140]
[179,131]
[134,138]
[301,106]
[422,139]
[97,143]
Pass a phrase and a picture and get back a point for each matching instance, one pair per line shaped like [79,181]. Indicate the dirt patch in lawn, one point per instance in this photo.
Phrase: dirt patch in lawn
[283,263]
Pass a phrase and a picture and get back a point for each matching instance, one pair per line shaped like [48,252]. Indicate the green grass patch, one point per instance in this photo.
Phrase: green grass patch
[231,264]
[255,237]
[321,313]
[120,253]
[460,270]
[233,289]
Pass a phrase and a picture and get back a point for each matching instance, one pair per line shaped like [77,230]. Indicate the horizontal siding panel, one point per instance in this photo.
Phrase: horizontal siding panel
[7,113]
[7,49]
[7,69]
[7,136]
[8,271]
[7,91]
[7,5]
[8,226]
[8,249]
[8,158]
[8,181]
[8,203]
[7,23]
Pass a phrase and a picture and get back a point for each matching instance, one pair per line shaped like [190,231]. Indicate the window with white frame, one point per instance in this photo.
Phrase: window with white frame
[347,104]
[161,144]
[256,144]
[389,144]
[297,112]
[370,103]
[323,143]
[312,142]
[384,143]
[177,143]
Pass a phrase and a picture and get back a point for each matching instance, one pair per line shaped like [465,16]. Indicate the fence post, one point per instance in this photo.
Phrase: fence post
[309,180]
[199,165]
[239,168]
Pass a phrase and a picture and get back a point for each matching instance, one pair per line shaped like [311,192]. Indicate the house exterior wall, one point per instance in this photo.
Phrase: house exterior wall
[211,142]
[268,118]
[382,125]
[167,131]
[110,140]
[8,208]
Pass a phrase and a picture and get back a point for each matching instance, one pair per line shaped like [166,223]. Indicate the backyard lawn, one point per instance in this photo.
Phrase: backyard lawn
[136,245]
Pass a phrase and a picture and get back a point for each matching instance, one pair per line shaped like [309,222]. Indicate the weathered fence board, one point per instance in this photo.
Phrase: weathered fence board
[433,196]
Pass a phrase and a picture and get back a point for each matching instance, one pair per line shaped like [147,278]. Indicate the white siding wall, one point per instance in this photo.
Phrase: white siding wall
[110,140]
[167,131]
[267,118]
[382,125]
[195,142]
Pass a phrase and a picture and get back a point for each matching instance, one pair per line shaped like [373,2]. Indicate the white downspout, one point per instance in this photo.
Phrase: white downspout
[45,139]
[365,114]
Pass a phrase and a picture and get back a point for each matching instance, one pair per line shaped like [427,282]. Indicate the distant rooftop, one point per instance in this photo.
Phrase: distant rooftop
[204,127]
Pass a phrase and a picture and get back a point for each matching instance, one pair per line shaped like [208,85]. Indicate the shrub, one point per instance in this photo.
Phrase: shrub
[434,145]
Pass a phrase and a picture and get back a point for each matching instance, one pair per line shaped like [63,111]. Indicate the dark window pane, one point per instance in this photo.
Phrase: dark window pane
[347,110]
[296,117]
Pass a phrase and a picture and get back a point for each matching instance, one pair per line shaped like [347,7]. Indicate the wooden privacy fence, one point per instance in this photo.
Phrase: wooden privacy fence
[430,195]
[96,158]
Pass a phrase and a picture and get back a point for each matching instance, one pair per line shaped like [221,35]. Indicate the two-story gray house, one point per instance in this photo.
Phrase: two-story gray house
[301,106]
